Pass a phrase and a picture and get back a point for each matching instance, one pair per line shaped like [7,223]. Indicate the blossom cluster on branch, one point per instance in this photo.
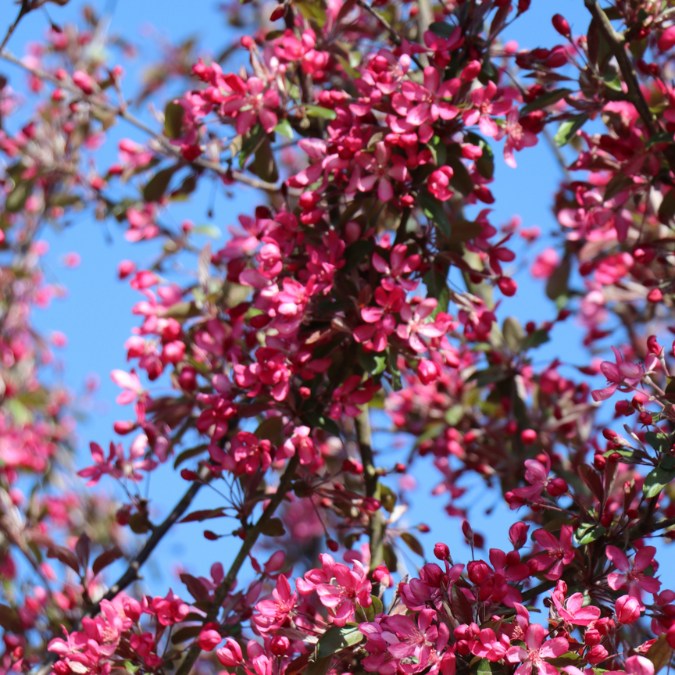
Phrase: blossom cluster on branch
[370,286]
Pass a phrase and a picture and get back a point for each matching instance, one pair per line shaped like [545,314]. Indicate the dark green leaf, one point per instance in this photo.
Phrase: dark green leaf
[434,210]
[441,29]
[589,532]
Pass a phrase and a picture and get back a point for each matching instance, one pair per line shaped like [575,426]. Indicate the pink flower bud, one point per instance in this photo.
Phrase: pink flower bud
[279,645]
[441,551]
[230,655]
[84,81]
[518,534]
[382,576]
[507,286]
[628,609]
[528,436]
[561,25]
[427,371]
[209,638]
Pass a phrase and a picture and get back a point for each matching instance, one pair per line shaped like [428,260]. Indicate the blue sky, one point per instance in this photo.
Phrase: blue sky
[96,315]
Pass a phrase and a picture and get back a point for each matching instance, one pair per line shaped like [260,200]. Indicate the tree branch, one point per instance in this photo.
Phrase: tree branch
[616,42]
[249,542]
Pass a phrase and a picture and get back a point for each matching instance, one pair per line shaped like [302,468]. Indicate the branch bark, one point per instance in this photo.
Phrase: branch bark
[376,525]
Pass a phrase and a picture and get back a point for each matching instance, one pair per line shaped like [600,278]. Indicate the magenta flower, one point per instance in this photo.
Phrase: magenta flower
[556,553]
[536,651]
[620,375]
[632,575]
[572,610]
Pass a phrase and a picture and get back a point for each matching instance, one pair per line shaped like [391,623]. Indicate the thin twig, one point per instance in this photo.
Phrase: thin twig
[25,9]
[395,37]
[163,144]
[131,574]
[252,536]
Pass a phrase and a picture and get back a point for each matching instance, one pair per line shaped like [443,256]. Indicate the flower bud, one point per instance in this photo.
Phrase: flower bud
[441,551]
[628,609]
[561,25]
[518,534]
[209,638]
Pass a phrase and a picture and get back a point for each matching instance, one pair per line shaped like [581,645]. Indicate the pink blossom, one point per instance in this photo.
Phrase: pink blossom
[537,649]
[632,574]
[556,554]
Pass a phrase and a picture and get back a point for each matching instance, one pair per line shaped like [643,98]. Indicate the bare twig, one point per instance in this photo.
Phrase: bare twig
[395,37]
[23,10]
[131,574]
[252,536]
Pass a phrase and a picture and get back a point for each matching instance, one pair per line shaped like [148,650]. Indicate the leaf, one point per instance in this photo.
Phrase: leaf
[195,587]
[442,29]
[106,558]
[271,429]
[320,112]
[433,209]
[156,187]
[173,119]
[185,633]
[64,555]
[568,130]
[589,532]
[660,653]
[658,478]
[188,454]
[513,334]
[10,620]
[273,528]
[202,515]
[558,283]
[16,199]
[593,481]
[412,543]
[285,129]
[667,207]
[336,639]
[312,10]
[82,550]
[545,100]
[535,339]
[264,165]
